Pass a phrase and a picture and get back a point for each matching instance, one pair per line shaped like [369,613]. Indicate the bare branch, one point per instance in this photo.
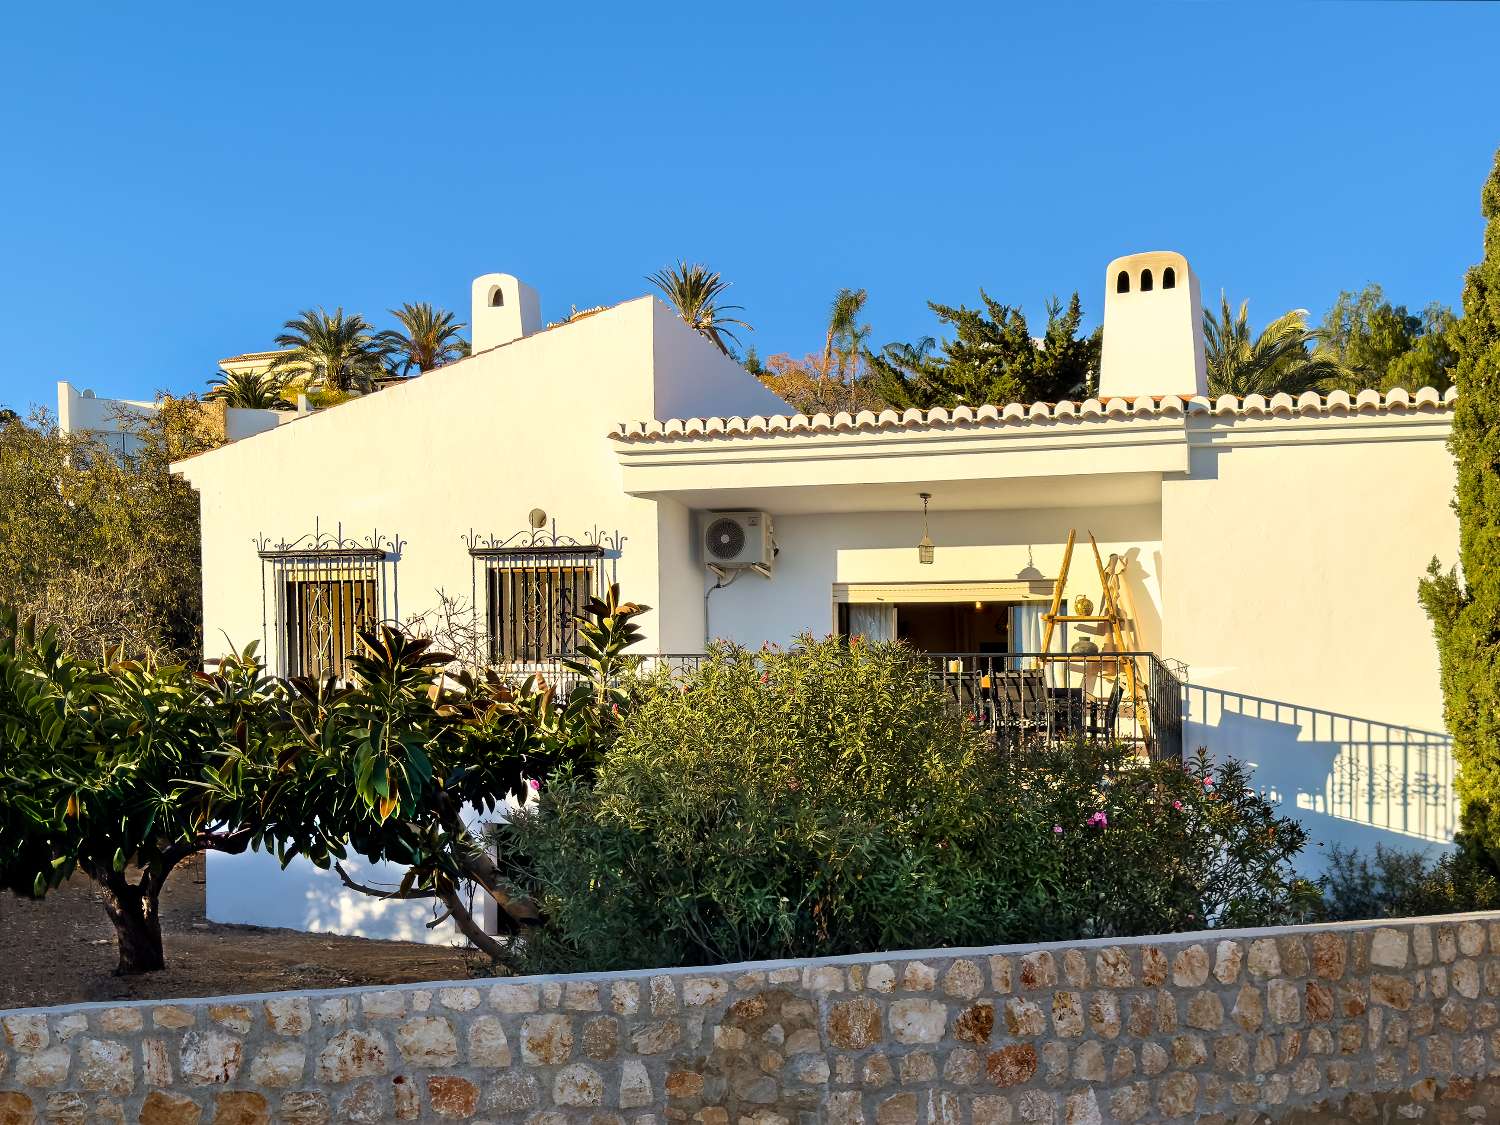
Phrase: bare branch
[374,893]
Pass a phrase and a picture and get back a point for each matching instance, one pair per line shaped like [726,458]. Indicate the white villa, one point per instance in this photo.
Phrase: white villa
[1268,551]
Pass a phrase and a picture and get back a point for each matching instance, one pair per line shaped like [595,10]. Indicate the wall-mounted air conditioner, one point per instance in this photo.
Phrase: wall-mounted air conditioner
[731,540]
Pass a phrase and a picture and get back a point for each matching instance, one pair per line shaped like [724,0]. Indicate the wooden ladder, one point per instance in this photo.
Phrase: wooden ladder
[1111,588]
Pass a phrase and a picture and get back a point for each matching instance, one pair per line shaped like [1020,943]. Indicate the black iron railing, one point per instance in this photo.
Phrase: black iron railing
[1133,698]
[1031,699]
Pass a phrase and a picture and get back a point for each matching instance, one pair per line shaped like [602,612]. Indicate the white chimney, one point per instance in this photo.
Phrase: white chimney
[504,308]
[1153,328]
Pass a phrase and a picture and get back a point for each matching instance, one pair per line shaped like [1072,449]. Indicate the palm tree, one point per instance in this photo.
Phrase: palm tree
[431,338]
[693,290]
[1279,359]
[334,351]
[846,336]
[248,390]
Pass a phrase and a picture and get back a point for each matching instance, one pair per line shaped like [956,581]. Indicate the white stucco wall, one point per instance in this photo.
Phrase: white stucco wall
[818,550]
[471,446]
[1293,554]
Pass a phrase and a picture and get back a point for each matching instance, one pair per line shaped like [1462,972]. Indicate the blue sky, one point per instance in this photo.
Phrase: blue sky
[179,179]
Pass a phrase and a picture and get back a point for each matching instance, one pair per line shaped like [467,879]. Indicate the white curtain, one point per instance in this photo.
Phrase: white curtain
[873,622]
[1026,626]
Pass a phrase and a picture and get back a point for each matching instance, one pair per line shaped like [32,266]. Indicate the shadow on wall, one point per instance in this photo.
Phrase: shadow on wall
[253,889]
[1351,781]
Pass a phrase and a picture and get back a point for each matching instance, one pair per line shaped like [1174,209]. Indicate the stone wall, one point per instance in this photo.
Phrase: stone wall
[1397,1021]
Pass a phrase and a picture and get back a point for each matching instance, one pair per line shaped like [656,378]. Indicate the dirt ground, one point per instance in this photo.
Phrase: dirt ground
[62,950]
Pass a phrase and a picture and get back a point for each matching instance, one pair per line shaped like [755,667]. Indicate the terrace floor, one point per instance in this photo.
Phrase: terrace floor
[62,950]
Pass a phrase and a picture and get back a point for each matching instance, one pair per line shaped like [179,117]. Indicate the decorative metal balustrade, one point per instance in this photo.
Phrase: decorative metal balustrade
[1032,700]
[1035,699]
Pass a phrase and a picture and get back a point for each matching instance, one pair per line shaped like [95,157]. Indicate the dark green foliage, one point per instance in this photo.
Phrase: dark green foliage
[828,799]
[101,546]
[1464,603]
[117,765]
[992,358]
[119,769]
[1399,884]
[1381,345]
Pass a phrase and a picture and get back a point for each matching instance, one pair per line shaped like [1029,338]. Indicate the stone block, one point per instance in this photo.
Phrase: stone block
[1038,970]
[460,999]
[1177,1095]
[581,996]
[918,1021]
[546,1040]
[104,1064]
[427,1041]
[899,1109]
[210,1057]
[156,1062]
[488,1045]
[1390,948]
[353,1054]
[515,1092]
[388,1004]
[1113,968]
[1190,967]
[625,997]
[164,1108]
[516,998]
[120,1021]
[578,1085]
[1067,1015]
[1330,954]
[963,980]
[1264,959]
[1025,1017]
[854,1025]
[635,1085]
[1013,1065]
[173,1017]
[278,1065]
[241,1107]
[288,1015]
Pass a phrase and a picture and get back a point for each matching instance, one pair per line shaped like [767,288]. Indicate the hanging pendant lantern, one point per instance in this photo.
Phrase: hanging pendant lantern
[925,547]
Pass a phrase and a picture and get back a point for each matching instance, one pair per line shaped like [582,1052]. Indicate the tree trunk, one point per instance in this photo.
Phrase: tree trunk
[137,923]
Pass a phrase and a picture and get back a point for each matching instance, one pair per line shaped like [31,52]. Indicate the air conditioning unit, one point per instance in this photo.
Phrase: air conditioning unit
[737,539]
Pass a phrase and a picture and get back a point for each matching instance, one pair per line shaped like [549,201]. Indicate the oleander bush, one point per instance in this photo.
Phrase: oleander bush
[827,799]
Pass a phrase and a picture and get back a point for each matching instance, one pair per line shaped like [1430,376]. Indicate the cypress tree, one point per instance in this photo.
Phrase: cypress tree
[1464,603]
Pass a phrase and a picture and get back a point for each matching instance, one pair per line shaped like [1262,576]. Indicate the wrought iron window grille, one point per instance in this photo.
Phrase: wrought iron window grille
[318,592]
[530,586]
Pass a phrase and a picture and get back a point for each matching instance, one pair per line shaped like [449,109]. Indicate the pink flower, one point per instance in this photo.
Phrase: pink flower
[1099,820]
[536,786]
[1057,829]
[1177,805]
[1207,781]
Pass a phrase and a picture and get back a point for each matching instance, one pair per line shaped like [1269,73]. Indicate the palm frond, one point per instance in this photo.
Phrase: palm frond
[694,291]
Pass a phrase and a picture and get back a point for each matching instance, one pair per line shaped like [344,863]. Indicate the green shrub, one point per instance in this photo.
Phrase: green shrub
[1397,884]
[828,799]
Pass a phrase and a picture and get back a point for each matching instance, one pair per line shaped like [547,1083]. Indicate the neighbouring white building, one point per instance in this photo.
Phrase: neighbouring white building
[1271,547]
[116,422]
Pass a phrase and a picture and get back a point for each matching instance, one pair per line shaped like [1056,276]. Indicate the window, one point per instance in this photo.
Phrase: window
[532,609]
[1169,278]
[497,298]
[1145,281]
[324,616]
[318,593]
[1122,283]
